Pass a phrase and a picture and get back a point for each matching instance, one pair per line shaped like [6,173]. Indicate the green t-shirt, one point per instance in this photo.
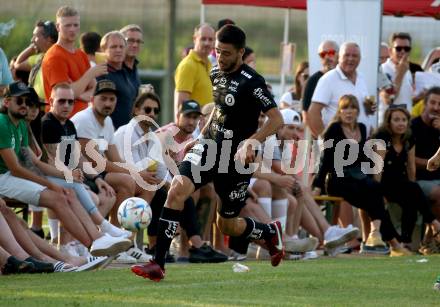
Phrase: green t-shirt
[12,136]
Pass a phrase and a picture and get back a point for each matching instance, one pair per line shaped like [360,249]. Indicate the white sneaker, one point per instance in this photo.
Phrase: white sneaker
[114,231]
[138,255]
[92,263]
[336,236]
[125,258]
[301,245]
[69,248]
[109,246]
[310,255]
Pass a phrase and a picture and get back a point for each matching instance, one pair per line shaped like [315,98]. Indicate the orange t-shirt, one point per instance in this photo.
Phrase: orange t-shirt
[60,65]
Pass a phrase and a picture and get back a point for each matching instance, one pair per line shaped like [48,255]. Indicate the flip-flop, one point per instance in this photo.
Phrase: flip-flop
[92,263]
[62,267]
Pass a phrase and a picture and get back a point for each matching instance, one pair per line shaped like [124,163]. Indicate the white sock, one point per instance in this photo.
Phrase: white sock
[279,211]
[53,228]
[266,203]
[111,229]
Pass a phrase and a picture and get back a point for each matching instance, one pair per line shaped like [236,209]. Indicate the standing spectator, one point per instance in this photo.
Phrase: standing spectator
[384,53]
[328,53]
[134,37]
[64,62]
[89,43]
[397,69]
[249,57]
[292,98]
[192,73]
[342,80]
[114,47]
[30,59]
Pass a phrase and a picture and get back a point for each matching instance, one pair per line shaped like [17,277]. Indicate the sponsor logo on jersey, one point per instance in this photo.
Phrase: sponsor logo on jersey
[240,192]
[232,88]
[235,83]
[229,100]
[259,94]
[246,74]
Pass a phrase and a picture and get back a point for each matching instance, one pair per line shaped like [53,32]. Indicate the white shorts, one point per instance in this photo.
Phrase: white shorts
[23,190]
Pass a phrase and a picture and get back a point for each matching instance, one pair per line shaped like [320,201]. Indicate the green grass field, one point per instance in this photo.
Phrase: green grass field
[353,281]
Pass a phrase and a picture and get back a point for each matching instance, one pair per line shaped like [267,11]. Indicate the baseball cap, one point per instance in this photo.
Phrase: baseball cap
[105,85]
[291,117]
[190,106]
[17,89]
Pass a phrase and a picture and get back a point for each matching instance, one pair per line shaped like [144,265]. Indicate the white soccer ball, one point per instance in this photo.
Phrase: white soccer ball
[134,214]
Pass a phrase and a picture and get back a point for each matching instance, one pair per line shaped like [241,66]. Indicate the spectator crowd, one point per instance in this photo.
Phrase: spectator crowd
[79,134]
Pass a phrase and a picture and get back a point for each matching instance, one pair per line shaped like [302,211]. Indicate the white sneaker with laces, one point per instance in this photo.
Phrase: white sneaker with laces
[109,246]
[336,236]
[138,255]
[125,258]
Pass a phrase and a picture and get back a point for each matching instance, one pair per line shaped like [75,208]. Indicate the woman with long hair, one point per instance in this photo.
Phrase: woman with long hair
[350,182]
[398,175]
[292,98]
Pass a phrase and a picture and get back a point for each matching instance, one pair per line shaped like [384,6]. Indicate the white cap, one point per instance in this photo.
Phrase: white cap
[291,117]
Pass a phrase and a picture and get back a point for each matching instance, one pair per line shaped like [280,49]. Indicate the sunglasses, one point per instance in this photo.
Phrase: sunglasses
[148,110]
[23,100]
[64,101]
[397,106]
[402,48]
[132,41]
[330,52]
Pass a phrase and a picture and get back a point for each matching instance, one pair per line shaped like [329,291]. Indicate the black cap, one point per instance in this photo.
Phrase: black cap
[33,97]
[190,106]
[17,89]
[105,85]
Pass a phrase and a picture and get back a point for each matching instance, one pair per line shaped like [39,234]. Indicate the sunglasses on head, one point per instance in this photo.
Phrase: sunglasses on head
[402,48]
[23,100]
[64,101]
[330,52]
[398,106]
[148,110]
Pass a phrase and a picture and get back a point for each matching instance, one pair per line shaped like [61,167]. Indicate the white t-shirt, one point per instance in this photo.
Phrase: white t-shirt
[293,103]
[406,89]
[142,152]
[335,84]
[88,127]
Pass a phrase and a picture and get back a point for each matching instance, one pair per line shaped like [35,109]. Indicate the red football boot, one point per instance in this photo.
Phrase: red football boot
[150,270]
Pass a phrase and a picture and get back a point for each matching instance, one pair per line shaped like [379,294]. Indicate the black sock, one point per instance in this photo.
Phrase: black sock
[239,244]
[257,231]
[168,223]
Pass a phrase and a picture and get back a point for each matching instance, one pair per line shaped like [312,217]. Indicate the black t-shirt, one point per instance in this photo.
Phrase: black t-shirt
[53,132]
[327,166]
[239,98]
[427,141]
[310,89]
[395,163]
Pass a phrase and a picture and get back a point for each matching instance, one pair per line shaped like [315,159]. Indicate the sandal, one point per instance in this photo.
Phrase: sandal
[62,267]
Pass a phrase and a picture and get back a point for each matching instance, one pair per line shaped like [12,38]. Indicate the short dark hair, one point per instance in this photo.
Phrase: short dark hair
[223,22]
[89,42]
[140,99]
[49,29]
[247,51]
[401,35]
[231,34]
[435,90]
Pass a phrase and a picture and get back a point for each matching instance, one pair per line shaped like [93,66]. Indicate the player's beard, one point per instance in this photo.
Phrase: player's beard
[231,66]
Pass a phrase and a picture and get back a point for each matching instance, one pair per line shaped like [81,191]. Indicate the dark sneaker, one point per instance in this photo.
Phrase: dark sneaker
[40,266]
[150,270]
[205,254]
[169,258]
[16,266]
[275,244]
[38,232]
[375,250]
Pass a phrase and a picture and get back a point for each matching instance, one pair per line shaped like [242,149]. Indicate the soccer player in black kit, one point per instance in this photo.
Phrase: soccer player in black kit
[240,94]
